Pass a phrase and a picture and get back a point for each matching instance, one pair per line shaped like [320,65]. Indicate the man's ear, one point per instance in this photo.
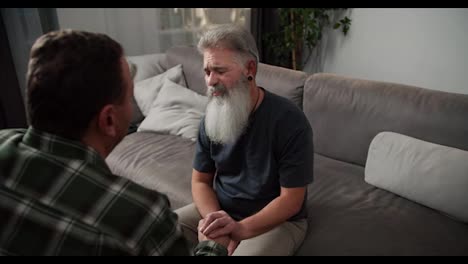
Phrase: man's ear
[251,68]
[106,121]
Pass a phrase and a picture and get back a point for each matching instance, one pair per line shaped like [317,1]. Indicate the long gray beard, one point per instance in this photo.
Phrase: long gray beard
[227,116]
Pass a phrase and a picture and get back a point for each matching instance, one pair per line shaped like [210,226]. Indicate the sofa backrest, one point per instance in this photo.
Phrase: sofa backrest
[282,81]
[192,65]
[148,65]
[347,113]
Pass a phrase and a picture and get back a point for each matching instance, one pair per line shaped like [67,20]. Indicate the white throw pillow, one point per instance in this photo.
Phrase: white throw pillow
[147,90]
[176,111]
[430,174]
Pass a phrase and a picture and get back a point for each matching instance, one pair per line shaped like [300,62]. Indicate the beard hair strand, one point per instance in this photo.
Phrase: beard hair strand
[227,116]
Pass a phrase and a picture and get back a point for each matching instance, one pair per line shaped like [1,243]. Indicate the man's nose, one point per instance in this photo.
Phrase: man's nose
[211,79]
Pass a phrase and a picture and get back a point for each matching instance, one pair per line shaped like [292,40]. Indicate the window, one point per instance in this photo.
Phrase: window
[151,30]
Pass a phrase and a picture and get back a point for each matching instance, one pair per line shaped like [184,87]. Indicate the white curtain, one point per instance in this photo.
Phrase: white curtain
[150,30]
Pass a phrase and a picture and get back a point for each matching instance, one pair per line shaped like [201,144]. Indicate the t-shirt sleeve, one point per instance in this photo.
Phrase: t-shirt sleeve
[202,161]
[296,161]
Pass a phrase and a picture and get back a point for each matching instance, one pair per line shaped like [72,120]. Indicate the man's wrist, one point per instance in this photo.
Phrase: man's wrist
[242,231]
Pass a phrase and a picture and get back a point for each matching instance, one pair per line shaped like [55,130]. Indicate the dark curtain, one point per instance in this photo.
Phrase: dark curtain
[265,21]
[2,117]
[19,27]
[12,111]
[49,19]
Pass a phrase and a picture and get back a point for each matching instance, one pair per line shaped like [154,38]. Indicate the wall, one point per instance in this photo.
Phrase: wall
[422,47]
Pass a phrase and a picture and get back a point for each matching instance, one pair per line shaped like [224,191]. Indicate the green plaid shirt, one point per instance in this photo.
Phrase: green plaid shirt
[58,197]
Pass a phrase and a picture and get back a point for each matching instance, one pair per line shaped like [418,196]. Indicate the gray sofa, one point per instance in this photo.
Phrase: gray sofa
[347,216]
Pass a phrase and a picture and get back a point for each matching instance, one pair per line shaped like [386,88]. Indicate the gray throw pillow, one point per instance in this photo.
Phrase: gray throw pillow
[177,111]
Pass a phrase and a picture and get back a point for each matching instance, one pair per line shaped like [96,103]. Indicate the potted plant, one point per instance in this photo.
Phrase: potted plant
[302,28]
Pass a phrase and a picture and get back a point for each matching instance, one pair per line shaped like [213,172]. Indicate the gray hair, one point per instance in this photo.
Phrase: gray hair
[230,36]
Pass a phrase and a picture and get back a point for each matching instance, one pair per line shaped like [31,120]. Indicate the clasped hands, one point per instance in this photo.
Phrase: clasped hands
[220,227]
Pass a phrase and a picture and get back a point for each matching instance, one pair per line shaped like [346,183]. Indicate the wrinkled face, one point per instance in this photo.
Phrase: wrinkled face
[229,105]
[223,70]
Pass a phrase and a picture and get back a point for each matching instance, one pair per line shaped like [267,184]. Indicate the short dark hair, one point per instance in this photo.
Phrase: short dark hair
[71,76]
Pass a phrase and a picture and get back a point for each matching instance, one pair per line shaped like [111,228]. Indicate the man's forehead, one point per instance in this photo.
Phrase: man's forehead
[220,54]
[215,66]
[218,62]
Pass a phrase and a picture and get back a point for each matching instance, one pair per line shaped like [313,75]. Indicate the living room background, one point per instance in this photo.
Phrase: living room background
[414,46]
[150,30]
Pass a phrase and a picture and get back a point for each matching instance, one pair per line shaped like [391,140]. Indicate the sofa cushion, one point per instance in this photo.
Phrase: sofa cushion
[347,113]
[146,91]
[427,173]
[192,62]
[158,162]
[176,111]
[148,65]
[281,81]
[348,216]
[141,68]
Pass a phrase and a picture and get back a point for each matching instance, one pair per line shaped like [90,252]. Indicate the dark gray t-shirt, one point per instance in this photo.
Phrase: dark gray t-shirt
[275,150]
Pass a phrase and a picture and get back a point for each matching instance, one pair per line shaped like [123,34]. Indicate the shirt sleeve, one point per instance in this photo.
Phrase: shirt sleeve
[210,248]
[202,161]
[164,235]
[296,162]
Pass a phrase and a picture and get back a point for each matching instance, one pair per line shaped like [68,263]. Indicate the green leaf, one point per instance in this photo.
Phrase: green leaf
[306,27]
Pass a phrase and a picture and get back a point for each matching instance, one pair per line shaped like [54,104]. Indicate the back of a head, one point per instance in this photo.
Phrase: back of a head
[232,37]
[71,76]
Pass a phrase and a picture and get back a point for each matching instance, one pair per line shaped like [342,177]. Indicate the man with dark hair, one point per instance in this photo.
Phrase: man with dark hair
[57,195]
